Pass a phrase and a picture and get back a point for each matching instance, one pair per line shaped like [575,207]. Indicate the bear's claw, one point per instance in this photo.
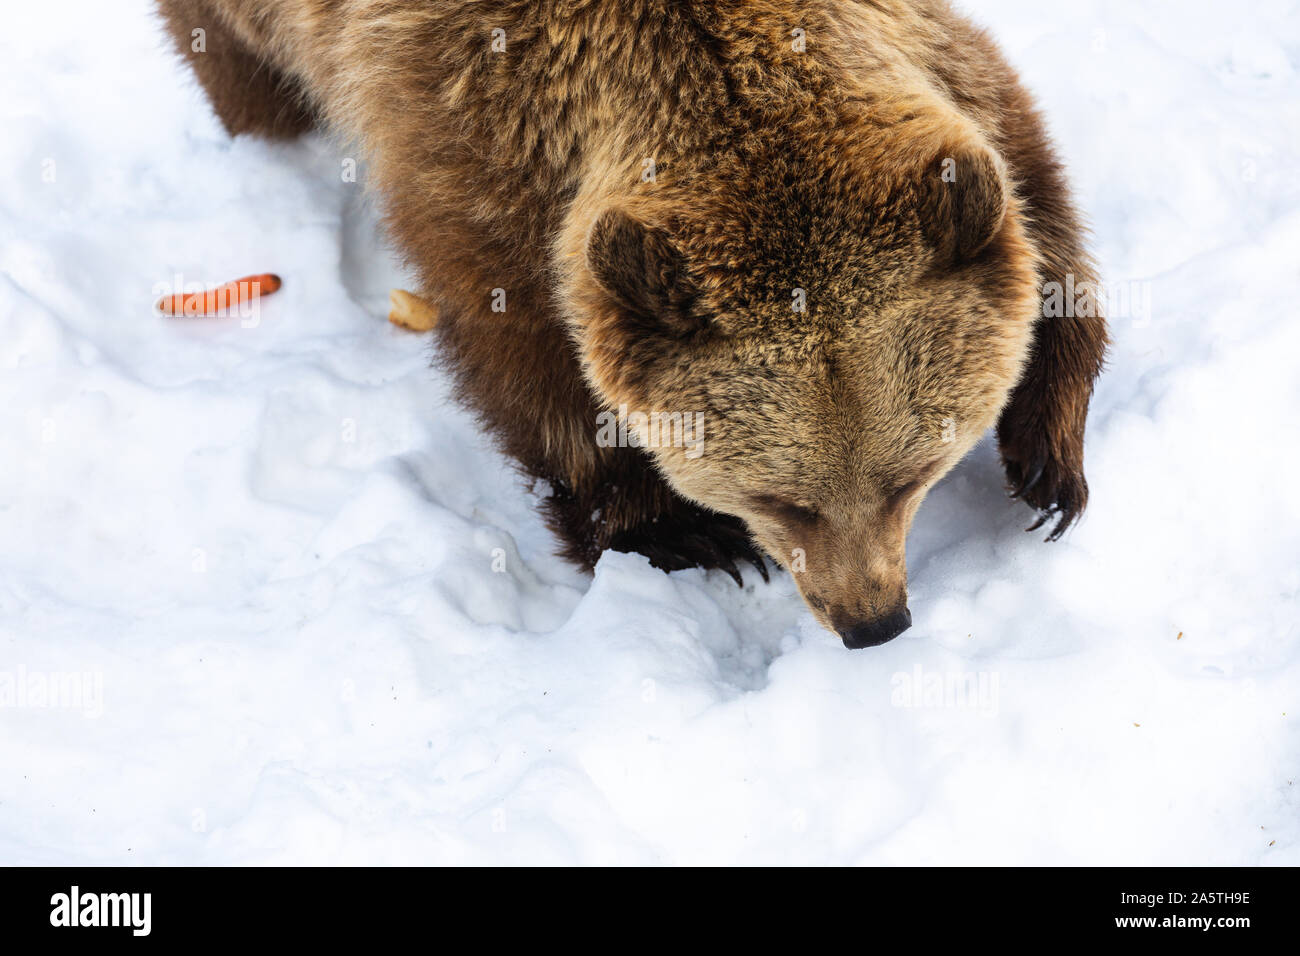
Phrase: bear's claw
[1055,491]
[1042,455]
[1035,472]
[694,538]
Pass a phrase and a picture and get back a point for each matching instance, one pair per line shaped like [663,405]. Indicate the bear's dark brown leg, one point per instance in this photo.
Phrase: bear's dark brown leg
[1040,432]
[247,93]
[688,536]
[636,511]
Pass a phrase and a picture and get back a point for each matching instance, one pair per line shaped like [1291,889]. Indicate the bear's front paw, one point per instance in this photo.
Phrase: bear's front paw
[1048,480]
[692,537]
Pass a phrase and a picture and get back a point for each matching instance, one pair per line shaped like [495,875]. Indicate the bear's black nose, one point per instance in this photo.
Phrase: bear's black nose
[878,631]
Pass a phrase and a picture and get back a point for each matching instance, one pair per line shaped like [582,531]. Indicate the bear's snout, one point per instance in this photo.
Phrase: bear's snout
[871,633]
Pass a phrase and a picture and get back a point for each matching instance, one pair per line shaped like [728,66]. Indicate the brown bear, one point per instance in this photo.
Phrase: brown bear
[809,241]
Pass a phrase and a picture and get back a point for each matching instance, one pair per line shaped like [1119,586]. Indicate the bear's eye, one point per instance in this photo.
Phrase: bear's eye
[788,512]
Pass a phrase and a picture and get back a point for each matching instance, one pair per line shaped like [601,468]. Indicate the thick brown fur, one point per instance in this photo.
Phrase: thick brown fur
[879,159]
[248,94]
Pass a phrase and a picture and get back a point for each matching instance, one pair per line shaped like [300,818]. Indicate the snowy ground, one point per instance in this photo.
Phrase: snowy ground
[269,549]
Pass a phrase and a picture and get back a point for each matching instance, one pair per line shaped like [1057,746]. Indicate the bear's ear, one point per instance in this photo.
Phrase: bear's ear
[644,273]
[963,201]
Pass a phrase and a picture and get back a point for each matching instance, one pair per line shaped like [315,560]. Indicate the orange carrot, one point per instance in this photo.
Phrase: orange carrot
[217,301]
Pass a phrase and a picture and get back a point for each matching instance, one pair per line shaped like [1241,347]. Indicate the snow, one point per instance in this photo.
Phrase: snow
[262,553]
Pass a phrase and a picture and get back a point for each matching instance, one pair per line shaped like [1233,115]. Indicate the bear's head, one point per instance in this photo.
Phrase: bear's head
[840,328]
